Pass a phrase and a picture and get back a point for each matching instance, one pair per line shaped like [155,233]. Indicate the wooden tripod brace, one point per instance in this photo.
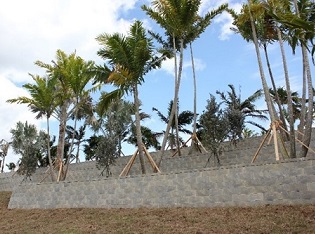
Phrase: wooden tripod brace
[277,125]
[195,140]
[127,168]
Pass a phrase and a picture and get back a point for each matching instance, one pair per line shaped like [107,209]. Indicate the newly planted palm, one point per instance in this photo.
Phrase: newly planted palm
[130,58]
[238,111]
[184,118]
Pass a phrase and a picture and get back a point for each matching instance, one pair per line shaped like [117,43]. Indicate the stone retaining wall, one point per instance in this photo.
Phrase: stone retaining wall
[242,153]
[288,182]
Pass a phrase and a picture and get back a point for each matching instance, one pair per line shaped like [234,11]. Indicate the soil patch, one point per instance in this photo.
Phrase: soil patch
[262,219]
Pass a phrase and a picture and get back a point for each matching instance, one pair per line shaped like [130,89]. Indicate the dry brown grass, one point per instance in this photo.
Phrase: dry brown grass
[266,219]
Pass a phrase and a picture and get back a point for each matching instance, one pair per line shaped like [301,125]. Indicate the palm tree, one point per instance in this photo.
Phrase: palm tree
[131,57]
[182,25]
[42,102]
[238,111]
[197,28]
[72,74]
[274,6]
[266,34]
[283,97]
[304,10]
[184,118]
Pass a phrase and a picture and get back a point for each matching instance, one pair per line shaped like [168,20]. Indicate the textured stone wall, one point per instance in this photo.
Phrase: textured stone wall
[288,182]
[242,153]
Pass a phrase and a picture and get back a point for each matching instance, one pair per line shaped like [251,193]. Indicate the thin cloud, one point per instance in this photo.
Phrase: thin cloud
[34,31]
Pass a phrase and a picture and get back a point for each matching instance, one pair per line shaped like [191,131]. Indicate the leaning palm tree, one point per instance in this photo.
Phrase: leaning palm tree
[184,118]
[41,101]
[131,57]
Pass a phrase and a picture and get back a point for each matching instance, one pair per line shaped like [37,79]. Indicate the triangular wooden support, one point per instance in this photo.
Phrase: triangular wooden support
[272,132]
[195,140]
[127,168]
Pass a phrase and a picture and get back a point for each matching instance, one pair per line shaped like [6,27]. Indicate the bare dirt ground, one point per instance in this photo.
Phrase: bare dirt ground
[263,219]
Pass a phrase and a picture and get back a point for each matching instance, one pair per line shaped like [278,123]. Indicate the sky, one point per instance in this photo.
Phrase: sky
[34,30]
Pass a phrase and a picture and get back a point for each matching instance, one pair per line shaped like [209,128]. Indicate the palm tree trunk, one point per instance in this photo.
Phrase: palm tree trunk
[170,121]
[72,141]
[309,116]
[180,69]
[194,142]
[138,128]
[53,178]
[195,89]
[270,106]
[61,139]
[290,106]
[275,90]
[307,78]
[303,102]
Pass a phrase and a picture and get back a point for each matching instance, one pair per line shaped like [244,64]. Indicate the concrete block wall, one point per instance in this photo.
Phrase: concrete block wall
[287,182]
[242,153]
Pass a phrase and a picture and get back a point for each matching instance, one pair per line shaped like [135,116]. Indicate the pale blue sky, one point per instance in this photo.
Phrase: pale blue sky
[36,29]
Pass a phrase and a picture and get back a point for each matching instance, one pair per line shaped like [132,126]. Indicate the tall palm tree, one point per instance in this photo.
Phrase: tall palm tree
[304,10]
[131,58]
[184,118]
[299,22]
[182,25]
[266,34]
[72,74]
[42,102]
[274,6]
[196,29]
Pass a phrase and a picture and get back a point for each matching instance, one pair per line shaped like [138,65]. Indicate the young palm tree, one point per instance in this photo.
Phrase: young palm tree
[42,102]
[238,111]
[131,57]
[184,118]
[283,97]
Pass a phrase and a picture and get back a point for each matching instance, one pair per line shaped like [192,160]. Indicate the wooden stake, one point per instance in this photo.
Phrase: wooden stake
[261,145]
[193,137]
[275,141]
[127,168]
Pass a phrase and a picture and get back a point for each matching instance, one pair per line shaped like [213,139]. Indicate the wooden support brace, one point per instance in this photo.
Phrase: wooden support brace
[127,168]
